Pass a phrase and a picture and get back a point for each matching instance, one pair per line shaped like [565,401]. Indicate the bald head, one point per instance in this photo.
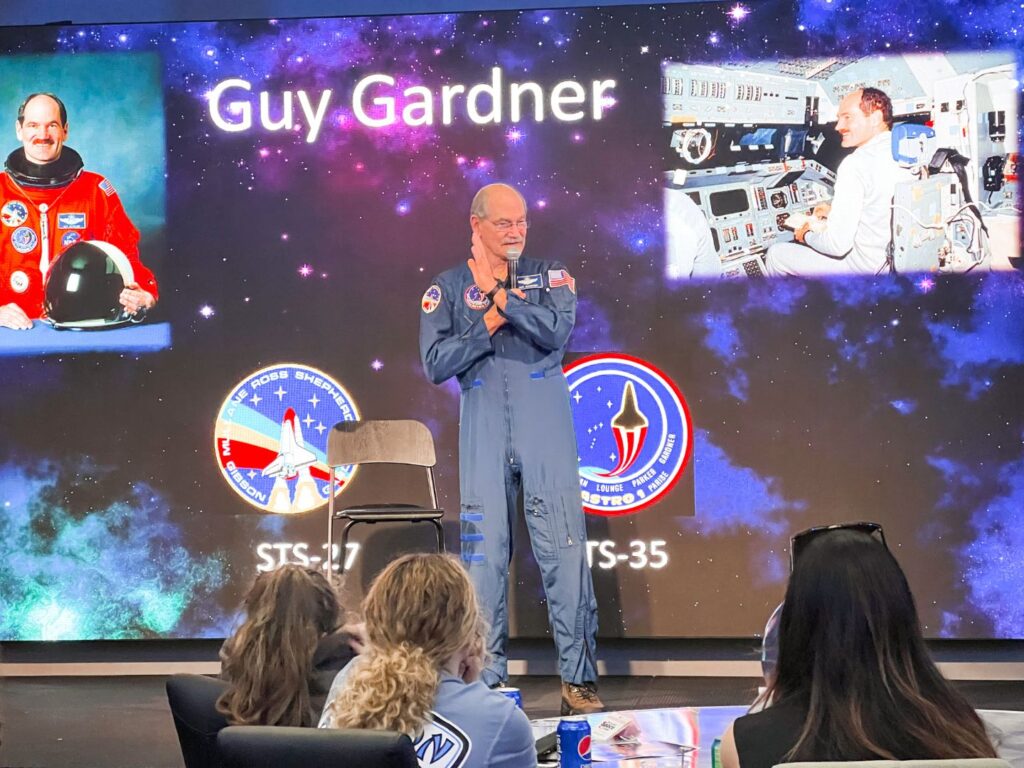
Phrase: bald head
[42,127]
[44,98]
[863,114]
[479,206]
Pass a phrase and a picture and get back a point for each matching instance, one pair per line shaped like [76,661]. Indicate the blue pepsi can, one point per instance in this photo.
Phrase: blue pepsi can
[514,694]
[573,742]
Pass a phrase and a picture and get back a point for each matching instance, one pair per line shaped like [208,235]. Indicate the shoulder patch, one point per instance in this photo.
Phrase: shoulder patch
[107,188]
[431,299]
[442,744]
[560,277]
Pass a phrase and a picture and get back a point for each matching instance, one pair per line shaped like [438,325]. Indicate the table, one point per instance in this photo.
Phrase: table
[43,339]
[658,736]
[661,732]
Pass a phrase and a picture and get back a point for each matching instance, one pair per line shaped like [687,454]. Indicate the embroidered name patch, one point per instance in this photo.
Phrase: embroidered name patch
[526,282]
[70,221]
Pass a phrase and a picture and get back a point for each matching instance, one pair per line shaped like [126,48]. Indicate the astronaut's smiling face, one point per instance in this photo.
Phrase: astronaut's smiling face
[853,125]
[40,130]
[503,228]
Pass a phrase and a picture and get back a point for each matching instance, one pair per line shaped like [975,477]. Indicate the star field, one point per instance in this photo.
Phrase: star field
[892,399]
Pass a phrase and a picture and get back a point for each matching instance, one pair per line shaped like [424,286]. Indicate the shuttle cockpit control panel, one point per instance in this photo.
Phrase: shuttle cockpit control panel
[747,209]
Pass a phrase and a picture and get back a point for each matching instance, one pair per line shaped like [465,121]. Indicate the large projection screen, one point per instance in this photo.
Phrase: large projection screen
[297,185]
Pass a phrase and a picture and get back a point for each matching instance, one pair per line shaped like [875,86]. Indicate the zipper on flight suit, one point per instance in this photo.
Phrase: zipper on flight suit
[44,236]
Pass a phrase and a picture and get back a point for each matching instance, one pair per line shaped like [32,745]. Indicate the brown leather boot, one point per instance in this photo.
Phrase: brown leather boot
[580,699]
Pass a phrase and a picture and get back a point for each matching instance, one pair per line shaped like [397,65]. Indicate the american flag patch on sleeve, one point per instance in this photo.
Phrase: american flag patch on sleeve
[107,188]
[560,277]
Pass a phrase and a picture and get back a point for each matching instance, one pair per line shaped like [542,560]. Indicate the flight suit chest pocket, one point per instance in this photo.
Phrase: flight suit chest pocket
[555,521]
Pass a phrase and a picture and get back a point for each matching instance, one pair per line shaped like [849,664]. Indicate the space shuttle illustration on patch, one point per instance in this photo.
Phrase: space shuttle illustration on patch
[630,428]
[293,461]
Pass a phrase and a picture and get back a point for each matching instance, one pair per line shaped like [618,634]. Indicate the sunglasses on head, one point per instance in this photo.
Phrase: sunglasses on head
[799,542]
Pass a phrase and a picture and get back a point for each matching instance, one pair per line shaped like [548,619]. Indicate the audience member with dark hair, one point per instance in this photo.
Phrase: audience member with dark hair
[419,674]
[275,662]
[854,679]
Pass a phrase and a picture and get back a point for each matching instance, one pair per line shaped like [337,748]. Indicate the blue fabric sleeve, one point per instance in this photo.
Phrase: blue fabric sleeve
[444,352]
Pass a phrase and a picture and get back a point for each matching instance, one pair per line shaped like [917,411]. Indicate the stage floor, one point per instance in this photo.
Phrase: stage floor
[124,722]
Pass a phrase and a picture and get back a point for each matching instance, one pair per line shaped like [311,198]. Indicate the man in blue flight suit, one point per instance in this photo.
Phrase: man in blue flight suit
[505,345]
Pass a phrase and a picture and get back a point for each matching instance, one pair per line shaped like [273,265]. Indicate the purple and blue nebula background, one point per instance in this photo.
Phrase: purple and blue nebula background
[894,400]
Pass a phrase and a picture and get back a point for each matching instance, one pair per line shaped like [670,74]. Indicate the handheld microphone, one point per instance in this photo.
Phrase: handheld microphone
[513,254]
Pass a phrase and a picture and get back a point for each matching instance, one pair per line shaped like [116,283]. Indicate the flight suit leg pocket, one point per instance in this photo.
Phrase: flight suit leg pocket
[555,522]
[572,527]
[471,532]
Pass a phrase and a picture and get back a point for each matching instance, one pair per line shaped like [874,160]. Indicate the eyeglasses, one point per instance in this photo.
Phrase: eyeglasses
[799,542]
[504,225]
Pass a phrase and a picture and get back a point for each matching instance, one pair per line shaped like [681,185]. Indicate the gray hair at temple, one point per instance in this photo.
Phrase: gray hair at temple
[478,207]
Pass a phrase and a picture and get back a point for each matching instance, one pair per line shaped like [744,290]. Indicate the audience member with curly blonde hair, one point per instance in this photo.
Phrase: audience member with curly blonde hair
[419,672]
[269,662]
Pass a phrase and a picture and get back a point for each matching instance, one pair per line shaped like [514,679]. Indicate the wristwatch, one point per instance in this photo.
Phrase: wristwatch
[494,291]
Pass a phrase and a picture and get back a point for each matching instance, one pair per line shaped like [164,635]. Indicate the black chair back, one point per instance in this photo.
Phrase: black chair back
[193,700]
[381,441]
[257,746]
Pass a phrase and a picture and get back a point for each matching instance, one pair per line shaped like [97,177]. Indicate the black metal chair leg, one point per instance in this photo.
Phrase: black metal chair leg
[343,548]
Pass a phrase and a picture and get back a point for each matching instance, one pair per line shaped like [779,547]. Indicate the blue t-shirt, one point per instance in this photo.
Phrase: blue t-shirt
[472,727]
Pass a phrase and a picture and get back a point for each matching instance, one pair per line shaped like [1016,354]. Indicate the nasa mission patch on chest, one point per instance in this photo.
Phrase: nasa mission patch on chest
[24,239]
[475,298]
[14,213]
[19,281]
